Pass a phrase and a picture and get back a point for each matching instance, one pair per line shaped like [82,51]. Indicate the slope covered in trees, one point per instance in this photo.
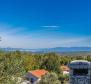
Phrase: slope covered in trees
[16,64]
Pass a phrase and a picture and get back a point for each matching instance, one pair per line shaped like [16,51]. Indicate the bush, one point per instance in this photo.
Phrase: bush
[49,78]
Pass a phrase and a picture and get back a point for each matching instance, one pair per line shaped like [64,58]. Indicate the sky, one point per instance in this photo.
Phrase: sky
[45,23]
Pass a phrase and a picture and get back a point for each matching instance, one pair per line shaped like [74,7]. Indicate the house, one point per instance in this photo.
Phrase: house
[35,75]
[64,69]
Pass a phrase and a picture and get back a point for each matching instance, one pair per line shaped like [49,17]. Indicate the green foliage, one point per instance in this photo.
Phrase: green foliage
[51,62]
[63,78]
[89,58]
[10,66]
[16,64]
[50,78]
[65,60]
[30,63]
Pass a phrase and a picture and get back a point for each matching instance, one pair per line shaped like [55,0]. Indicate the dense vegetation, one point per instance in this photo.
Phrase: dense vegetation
[16,64]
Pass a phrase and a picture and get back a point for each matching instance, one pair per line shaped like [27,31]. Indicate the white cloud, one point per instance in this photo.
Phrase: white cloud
[27,42]
[30,41]
[51,26]
[8,29]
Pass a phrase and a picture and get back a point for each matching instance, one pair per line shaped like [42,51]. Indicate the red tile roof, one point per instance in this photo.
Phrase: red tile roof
[38,73]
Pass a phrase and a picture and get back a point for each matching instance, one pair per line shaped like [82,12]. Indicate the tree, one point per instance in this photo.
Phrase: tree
[10,66]
[63,78]
[49,78]
[30,63]
[89,58]
[51,62]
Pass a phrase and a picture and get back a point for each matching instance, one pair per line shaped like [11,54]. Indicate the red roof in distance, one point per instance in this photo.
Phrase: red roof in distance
[38,73]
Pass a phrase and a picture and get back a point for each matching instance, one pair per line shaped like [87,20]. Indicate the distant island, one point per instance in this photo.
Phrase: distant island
[60,50]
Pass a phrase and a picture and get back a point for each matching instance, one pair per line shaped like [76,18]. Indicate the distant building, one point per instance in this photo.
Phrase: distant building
[35,75]
[64,69]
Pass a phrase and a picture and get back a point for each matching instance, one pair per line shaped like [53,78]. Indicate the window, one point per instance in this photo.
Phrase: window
[80,71]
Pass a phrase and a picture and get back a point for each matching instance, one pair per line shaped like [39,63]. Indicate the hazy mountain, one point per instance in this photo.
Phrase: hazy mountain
[56,49]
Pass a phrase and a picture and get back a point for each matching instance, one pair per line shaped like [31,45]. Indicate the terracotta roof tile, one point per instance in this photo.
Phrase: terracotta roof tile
[38,73]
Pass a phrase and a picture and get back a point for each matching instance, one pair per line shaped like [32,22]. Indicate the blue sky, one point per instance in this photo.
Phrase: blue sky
[45,23]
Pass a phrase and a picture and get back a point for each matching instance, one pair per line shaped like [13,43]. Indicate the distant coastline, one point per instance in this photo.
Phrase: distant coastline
[56,49]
